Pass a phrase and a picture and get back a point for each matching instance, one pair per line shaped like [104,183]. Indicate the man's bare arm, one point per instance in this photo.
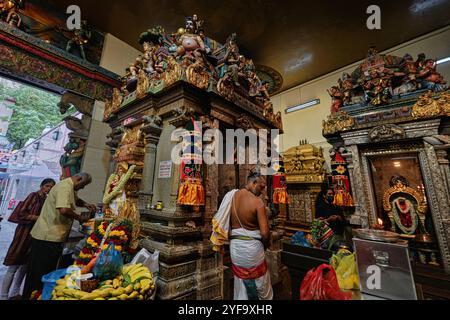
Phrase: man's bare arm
[83,204]
[263,223]
[69,213]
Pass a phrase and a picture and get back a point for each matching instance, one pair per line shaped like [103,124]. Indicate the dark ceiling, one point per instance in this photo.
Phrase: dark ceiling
[300,39]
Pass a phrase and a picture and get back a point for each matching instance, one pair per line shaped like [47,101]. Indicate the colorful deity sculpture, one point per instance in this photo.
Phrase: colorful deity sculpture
[80,38]
[279,184]
[340,178]
[9,11]
[427,75]
[232,59]
[190,44]
[337,99]
[191,191]
[71,160]
[115,196]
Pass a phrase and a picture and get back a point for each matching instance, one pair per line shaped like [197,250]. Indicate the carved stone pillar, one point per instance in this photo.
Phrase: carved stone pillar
[152,131]
[357,184]
[211,184]
[442,155]
[113,142]
[438,200]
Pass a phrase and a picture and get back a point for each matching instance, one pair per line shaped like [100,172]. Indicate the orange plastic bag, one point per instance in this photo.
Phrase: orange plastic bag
[321,284]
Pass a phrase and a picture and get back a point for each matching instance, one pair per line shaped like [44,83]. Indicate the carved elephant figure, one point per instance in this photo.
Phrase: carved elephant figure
[82,104]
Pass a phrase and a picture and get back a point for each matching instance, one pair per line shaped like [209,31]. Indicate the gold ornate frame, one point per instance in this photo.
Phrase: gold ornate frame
[421,205]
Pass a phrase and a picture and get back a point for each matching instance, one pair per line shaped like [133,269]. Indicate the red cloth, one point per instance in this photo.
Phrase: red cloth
[250,273]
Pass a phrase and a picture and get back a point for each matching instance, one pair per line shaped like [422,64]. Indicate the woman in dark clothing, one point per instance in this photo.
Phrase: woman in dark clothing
[16,258]
[326,210]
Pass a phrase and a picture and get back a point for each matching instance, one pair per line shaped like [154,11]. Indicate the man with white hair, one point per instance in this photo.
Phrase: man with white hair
[53,228]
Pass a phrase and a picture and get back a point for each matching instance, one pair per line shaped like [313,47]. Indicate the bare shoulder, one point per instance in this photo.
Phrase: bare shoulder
[259,203]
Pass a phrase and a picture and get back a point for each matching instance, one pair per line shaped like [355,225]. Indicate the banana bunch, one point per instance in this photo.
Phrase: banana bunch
[134,283]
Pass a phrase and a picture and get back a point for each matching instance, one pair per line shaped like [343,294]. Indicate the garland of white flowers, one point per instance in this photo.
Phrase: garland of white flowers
[397,220]
[108,196]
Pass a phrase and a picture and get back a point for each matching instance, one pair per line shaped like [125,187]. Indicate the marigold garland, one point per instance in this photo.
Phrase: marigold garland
[119,235]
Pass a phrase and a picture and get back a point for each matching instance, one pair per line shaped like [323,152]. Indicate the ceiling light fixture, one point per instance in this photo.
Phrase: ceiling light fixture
[422,5]
[302,106]
[443,60]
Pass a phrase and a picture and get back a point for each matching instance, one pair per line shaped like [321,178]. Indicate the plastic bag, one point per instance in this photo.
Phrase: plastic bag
[49,281]
[321,284]
[109,264]
[344,262]
[299,239]
[149,260]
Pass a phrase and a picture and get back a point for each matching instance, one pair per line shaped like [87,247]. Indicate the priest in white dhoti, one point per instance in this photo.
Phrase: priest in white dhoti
[242,220]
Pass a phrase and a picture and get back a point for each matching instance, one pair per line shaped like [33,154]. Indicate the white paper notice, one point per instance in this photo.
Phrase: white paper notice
[165,169]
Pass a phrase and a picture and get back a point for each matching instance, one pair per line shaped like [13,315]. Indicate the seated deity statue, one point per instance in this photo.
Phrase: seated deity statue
[190,44]
[405,207]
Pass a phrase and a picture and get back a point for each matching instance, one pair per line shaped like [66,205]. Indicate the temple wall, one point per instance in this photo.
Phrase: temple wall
[116,57]
[307,123]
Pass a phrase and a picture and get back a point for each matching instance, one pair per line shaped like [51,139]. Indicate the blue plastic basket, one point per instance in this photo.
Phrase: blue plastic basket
[49,281]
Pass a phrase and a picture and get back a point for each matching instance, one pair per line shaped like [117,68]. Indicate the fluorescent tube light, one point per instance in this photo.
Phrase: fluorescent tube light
[302,106]
[444,60]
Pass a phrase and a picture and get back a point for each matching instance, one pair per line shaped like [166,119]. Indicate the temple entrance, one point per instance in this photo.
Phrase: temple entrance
[32,139]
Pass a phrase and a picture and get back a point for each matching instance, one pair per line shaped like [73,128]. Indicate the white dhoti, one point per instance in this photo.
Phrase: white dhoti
[251,275]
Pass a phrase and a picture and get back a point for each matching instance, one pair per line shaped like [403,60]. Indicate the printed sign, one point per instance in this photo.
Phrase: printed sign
[165,169]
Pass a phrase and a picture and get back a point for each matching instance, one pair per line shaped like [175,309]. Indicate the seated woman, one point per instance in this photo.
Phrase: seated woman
[17,256]
[326,210]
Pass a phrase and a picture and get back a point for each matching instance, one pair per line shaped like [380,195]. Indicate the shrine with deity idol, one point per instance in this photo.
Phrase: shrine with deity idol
[183,82]
[391,115]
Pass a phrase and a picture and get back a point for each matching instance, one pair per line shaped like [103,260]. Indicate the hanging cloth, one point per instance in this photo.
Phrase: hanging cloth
[191,191]
[279,184]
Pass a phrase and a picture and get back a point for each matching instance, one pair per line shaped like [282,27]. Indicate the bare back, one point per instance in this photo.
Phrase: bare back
[246,205]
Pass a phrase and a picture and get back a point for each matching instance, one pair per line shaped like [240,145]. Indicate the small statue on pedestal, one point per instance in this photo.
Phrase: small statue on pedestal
[8,11]
[81,38]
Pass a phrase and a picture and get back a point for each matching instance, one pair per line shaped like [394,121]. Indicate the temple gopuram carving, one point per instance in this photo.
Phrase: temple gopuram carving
[183,80]
[392,116]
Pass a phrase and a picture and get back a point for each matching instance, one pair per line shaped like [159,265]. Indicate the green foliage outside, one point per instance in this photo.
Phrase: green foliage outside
[33,111]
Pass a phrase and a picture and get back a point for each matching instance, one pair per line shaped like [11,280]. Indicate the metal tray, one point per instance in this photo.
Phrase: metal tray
[377,235]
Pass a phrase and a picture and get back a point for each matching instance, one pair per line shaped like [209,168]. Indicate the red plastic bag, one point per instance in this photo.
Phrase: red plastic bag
[321,284]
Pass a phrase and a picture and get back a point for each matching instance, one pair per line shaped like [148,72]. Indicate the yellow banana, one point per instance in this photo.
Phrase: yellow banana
[137,270]
[123,296]
[116,283]
[117,292]
[133,295]
[129,289]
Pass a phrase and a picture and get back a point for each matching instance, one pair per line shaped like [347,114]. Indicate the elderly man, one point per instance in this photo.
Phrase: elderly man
[53,228]
[242,214]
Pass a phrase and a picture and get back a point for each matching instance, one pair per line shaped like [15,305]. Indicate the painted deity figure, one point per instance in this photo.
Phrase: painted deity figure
[336,98]
[114,197]
[71,160]
[80,37]
[232,59]
[377,88]
[190,44]
[8,11]
[148,58]
[428,77]
[409,76]
[346,86]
